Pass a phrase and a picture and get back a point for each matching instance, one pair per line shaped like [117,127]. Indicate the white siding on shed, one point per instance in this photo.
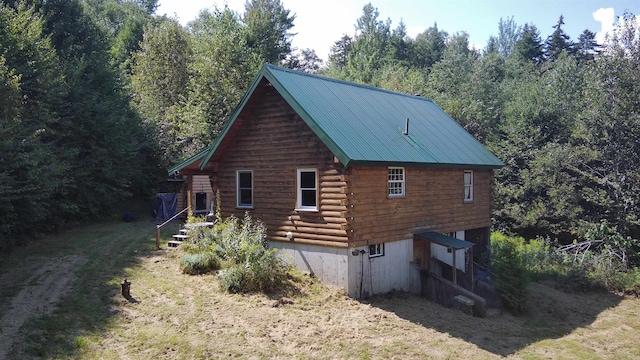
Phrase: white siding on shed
[442,253]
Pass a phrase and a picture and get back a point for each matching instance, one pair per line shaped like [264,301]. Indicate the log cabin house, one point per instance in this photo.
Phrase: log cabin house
[357,185]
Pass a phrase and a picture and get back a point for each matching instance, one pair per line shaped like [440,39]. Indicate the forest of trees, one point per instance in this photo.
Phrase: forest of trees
[98,97]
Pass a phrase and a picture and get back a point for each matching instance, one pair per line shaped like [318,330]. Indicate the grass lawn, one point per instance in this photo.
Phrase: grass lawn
[62,301]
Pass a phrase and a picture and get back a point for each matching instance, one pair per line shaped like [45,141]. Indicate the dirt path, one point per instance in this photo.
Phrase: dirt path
[38,296]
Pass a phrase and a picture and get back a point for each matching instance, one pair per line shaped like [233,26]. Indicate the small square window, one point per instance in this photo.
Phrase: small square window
[468,186]
[376,250]
[395,182]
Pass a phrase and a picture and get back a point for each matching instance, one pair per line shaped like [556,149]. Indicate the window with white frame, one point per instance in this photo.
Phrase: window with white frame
[307,189]
[376,250]
[395,182]
[468,185]
[244,186]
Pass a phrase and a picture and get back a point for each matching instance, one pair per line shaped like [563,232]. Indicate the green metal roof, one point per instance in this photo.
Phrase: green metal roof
[363,125]
[445,240]
[189,161]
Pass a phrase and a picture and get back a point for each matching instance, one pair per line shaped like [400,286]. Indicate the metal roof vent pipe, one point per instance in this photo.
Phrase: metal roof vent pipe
[406,127]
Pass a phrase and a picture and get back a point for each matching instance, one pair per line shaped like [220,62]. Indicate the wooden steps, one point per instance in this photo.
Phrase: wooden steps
[184,233]
[174,243]
[178,238]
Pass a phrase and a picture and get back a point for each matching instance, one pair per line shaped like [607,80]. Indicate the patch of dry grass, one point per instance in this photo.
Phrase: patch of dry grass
[178,316]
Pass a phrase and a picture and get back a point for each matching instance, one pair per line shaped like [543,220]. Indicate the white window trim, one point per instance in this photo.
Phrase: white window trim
[470,186]
[299,205]
[379,250]
[402,182]
[238,205]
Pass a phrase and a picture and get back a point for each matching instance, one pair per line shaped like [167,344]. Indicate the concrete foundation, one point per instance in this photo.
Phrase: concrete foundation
[359,275]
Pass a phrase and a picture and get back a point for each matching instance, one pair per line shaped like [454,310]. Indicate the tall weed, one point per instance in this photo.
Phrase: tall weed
[252,266]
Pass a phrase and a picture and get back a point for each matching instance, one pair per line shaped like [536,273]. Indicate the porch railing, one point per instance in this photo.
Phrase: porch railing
[158,227]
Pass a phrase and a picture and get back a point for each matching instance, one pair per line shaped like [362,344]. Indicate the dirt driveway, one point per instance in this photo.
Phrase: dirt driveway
[38,294]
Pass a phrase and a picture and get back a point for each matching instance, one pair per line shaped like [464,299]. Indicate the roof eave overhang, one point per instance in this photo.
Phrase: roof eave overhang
[191,160]
[424,164]
[445,240]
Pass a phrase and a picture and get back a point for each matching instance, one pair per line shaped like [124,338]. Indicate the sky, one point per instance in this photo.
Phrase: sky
[318,24]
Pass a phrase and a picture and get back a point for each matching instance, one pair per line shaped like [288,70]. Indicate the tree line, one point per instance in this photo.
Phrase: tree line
[563,115]
[100,96]
[72,148]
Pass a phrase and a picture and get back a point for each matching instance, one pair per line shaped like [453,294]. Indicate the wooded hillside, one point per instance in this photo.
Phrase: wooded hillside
[98,97]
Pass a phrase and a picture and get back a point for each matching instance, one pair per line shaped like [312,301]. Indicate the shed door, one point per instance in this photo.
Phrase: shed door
[201,201]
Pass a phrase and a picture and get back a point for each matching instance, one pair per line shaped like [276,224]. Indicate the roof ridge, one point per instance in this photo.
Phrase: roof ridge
[348,83]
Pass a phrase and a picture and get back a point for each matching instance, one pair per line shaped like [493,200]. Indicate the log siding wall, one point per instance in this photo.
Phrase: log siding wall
[274,142]
[434,200]
[353,207]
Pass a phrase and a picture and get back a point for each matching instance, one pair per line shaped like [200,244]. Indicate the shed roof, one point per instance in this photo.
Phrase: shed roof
[190,162]
[364,125]
[445,240]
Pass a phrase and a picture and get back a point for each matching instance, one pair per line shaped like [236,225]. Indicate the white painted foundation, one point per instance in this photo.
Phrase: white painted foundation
[359,275]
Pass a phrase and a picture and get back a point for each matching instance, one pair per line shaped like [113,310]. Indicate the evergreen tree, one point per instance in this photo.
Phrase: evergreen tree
[538,193]
[587,47]
[304,60]
[485,112]
[557,42]
[340,52]
[398,45]
[529,45]
[428,47]
[31,172]
[492,46]
[448,81]
[609,127]
[370,48]
[101,137]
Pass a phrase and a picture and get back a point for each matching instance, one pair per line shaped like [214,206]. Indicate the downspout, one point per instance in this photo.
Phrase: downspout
[455,270]
[361,273]
[189,192]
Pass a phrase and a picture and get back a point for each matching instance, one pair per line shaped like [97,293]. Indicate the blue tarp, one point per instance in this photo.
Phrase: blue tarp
[166,206]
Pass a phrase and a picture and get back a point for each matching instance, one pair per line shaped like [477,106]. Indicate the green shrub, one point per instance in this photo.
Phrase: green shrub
[201,239]
[199,263]
[631,281]
[598,263]
[241,245]
[509,267]
[235,279]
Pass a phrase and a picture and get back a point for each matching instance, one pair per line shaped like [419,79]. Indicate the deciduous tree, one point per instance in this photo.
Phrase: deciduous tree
[268,29]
